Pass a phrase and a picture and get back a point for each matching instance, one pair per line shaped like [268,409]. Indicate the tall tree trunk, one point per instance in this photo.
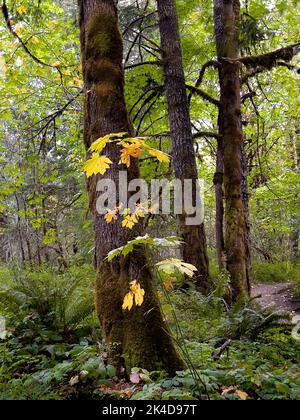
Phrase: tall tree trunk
[227,20]
[140,336]
[19,224]
[245,198]
[185,167]
[219,194]
[295,234]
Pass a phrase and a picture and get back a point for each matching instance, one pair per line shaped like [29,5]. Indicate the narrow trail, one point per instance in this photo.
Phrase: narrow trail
[278,296]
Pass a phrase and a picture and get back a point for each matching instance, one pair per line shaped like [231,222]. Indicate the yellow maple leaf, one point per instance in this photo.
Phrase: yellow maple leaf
[21,9]
[128,301]
[136,295]
[99,144]
[110,216]
[129,221]
[138,292]
[96,165]
[159,155]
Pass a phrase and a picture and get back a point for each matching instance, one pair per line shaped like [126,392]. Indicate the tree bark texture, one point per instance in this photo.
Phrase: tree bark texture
[219,194]
[227,18]
[138,337]
[184,160]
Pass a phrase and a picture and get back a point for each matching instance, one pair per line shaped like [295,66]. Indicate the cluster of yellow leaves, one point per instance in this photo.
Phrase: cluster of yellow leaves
[136,294]
[76,82]
[129,219]
[110,216]
[130,148]
[22,9]
[135,147]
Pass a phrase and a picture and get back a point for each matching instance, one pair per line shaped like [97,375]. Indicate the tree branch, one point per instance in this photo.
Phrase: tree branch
[248,95]
[23,44]
[209,134]
[270,60]
[145,63]
[260,69]
[204,95]
[212,63]
[137,20]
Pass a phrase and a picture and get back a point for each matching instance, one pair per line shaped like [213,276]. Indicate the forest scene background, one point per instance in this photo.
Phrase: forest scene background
[229,289]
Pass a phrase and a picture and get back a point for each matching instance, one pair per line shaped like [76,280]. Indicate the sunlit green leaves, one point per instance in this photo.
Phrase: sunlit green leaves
[169,242]
[174,265]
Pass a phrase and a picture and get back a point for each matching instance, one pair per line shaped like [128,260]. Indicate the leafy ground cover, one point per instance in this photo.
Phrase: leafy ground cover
[244,353]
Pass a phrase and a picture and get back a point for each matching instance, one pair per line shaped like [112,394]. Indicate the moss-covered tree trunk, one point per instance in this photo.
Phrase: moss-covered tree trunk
[219,195]
[227,21]
[140,336]
[245,198]
[184,160]
[295,230]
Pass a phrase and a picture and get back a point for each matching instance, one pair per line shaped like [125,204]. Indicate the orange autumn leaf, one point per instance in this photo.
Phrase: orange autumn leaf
[130,150]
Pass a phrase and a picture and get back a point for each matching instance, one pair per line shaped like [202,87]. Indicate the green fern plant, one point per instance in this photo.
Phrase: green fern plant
[64,300]
[248,320]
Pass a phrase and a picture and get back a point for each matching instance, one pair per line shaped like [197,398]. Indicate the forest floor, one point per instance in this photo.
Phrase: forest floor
[278,296]
[59,354]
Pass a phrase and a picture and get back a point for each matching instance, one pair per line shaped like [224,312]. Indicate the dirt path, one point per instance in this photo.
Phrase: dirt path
[278,296]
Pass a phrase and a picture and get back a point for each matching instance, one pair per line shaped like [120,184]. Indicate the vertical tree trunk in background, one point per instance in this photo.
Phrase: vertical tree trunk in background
[295,234]
[227,19]
[184,160]
[218,182]
[20,230]
[245,198]
[140,335]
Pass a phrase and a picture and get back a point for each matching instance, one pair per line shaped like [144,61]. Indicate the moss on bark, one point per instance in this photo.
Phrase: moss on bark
[227,18]
[139,337]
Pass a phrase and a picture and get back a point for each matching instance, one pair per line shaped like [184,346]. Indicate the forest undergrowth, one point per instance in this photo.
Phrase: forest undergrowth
[53,348]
